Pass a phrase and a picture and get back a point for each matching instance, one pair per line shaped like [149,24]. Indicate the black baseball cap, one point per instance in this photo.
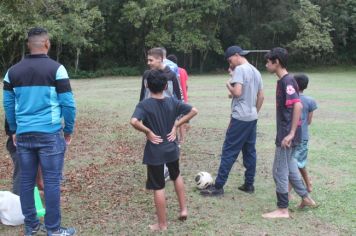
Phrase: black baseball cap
[232,50]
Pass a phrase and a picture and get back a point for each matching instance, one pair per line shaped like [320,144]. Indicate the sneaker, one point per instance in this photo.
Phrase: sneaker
[247,188]
[166,173]
[29,231]
[62,232]
[212,191]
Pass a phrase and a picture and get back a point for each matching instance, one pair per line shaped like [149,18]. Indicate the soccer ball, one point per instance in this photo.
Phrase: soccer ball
[203,180]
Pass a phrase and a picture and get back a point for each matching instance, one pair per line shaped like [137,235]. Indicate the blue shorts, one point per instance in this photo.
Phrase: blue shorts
[301,154]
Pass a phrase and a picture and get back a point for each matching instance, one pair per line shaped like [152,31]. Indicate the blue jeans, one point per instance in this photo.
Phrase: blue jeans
[46,150]
[240,135]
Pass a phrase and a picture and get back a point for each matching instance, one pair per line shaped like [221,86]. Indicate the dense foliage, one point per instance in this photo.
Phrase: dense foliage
[94,35]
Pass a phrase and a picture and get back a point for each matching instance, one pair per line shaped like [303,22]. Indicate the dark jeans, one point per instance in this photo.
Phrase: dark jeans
[16,176]
[240,135]
[46,150]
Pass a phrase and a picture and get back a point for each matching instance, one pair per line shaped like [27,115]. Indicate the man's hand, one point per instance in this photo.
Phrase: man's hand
[14,139]
[287,141]
[154,138]
[68,138]
[228,83]
[173,134]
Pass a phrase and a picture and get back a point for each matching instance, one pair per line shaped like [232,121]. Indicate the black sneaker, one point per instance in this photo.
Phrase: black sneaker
[40,228]
[247,188]
[212,191]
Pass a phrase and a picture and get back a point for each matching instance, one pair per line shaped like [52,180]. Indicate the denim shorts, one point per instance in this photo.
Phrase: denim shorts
[301,154]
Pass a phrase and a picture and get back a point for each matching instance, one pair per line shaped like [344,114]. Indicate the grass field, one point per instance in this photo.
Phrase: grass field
[105,179]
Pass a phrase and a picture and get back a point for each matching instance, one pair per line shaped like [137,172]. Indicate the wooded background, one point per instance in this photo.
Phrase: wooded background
[113,35]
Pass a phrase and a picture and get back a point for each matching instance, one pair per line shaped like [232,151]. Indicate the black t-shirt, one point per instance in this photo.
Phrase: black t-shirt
[159,116]
[287,93]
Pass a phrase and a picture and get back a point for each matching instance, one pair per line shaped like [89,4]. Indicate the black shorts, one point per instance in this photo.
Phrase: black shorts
[155,175]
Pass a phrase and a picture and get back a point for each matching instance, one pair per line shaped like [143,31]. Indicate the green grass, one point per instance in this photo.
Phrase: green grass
[105,178]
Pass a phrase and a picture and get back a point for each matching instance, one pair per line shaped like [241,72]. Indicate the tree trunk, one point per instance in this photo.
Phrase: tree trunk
[202,60]
[77,60]
[191,59]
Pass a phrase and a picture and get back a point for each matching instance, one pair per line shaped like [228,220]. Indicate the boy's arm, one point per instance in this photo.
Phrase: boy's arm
[297,110]
[176,88]
[260,98]
[137,124]
[310,117]
[312,108]
[184,119]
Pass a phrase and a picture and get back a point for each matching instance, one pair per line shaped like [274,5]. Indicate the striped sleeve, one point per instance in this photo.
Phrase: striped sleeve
[65,99]
[62,80]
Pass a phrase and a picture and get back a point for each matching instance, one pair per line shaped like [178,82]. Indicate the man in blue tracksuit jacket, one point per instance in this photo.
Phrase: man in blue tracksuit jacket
[37,96]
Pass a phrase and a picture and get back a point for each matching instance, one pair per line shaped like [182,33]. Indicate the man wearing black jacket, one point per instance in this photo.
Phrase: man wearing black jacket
[155,61]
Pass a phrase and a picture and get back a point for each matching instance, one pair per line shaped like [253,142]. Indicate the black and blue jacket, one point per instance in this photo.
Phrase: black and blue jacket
[37,95]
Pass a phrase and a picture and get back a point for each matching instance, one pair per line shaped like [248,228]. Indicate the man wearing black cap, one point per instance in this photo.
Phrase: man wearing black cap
[245,87]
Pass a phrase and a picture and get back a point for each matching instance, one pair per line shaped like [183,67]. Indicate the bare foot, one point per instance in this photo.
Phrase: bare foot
[183,215]
[307,201]
[279,213]
[157,227]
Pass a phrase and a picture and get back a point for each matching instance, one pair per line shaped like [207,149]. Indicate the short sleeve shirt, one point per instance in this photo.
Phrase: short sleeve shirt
[244,107]
[287,94]
[159,116]
[309,105]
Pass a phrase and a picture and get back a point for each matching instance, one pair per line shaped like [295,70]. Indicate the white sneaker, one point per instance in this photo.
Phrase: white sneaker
[166,173]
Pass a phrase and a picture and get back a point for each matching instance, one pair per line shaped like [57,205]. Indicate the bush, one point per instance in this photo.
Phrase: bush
[116,71]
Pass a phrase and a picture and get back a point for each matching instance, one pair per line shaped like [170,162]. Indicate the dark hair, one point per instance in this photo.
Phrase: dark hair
[278,53]
[155,52]
[156,81]
[302,81]
[36,31]
[173,58]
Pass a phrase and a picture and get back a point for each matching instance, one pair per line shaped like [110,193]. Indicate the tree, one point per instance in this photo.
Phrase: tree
[313,39]
[16,17]
[77,26]
[69,23]
[181,25]
[342,14]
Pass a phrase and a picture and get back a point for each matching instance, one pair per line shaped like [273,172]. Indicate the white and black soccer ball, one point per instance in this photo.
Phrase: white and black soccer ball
[203,180]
